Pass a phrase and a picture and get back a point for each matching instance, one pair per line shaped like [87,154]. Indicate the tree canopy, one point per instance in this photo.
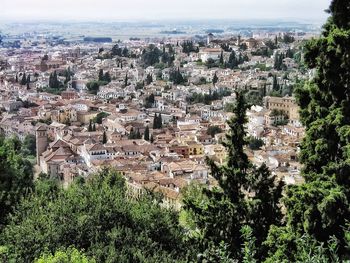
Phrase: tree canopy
[246,196]
[95,216]
[320,207]
[15,176]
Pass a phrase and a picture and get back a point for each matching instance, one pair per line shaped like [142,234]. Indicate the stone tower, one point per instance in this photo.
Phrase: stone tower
[41,142]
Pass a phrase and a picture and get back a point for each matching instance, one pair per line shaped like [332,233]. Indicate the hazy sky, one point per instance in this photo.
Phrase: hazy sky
[162,9]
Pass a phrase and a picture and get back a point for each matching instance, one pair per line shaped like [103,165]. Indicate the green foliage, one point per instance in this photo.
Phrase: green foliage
[104,77]
[208,98]
[215,79]
[168,57]
[146,134]
[255,143]
[248,249]
[216,254]
[285,246]
[151,56]
[287,38]
[177,77]
[104,138]
[68,75]
[90,129]
[212,130]
[3,254]
[97,217]
[71,255]
[319,208]
[29,145]
[126,80]
[24,79]
[134,134]
[54,83]
[140,85]
[149,79]
[278,63]
[94,86]
[157,121]
[225,210]
[149,101]
[254,97]
[265,51]
[15,176]
[100,116]
[188,47]
[232,61]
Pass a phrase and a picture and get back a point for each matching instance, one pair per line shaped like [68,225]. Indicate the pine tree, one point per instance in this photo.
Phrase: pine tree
[146,134]
[151,139]
[94,127]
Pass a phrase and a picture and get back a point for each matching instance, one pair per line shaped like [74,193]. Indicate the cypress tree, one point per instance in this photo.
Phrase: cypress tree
[107,77]
[131,134]
[24,79]
[160,121]
[90,126]
[104,138]
[146,134]
[232,61]
[126,80]
[215,79]
[55,80]
[275,83]
[222,58]
[155,121]
[100,75]
[138,134]
[50,80]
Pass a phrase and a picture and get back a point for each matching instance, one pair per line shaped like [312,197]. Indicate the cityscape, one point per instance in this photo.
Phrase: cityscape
[175,139]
